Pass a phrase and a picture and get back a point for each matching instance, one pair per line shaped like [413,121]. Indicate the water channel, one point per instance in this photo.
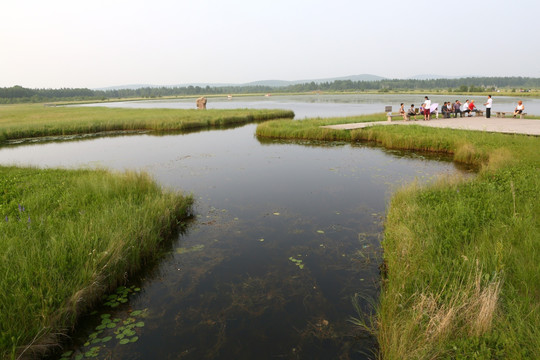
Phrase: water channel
[285,235]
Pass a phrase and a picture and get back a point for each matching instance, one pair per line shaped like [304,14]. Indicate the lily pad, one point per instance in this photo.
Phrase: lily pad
[106,339]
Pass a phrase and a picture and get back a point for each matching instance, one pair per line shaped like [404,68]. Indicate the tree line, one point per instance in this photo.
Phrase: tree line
[18,94]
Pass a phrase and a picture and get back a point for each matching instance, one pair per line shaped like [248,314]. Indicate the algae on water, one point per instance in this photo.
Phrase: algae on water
[184,250]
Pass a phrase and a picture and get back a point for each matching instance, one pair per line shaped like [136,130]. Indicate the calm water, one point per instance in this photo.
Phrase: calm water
[284,235]
[331,105]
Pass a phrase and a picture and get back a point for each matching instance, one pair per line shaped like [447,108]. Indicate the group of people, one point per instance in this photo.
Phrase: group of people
[456,108]
[465,109]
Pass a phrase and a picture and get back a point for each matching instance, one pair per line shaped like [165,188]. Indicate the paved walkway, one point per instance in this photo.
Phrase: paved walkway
[501,125]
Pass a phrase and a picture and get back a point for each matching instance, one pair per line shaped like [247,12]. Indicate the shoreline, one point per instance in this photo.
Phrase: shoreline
[496,125]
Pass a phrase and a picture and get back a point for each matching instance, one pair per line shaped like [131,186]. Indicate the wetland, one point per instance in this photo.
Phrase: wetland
[284,236]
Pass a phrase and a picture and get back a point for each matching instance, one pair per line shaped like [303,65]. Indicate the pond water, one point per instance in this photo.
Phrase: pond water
[330,105]
[285,235]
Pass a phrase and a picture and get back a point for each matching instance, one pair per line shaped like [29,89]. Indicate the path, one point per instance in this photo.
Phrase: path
[501,125]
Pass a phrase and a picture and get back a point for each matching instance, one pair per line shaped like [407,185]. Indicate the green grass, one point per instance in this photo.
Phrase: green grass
[461,257]
[67,237]
[310,129]
[30,120]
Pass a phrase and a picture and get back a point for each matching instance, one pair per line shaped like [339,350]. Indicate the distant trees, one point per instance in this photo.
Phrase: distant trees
[17,94]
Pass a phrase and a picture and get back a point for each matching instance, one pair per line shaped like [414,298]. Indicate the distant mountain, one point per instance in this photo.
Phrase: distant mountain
[140,86]
[432,77]
[122,87]
[278,83]
[271,83]
[362,77]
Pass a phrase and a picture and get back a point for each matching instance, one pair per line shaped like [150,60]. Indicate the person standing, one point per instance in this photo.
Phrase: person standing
[488,106]
[427,109]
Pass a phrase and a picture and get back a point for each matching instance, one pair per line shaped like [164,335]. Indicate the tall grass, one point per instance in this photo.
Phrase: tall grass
[66,237]
[461,258]
[24,121]
[463,264]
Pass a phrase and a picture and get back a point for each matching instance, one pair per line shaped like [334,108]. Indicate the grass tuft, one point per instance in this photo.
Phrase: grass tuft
[66,237]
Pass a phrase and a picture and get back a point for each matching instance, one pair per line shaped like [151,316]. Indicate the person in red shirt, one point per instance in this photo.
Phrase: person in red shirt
[471,107]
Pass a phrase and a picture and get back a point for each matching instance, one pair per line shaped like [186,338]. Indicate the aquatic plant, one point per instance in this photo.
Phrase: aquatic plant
[88,230]
[110,332]
[297,262]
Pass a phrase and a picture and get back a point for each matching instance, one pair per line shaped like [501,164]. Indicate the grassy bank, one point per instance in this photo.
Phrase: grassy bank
[311,129]
[462,258]
[30,120]
[66,237]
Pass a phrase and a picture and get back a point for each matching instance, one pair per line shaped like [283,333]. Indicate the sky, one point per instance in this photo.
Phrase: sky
[95,44]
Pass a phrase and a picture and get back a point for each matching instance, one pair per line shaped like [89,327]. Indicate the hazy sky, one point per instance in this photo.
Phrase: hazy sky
[81,43]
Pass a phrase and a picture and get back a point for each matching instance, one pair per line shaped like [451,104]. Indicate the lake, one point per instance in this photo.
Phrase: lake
[285,236]
[330,105]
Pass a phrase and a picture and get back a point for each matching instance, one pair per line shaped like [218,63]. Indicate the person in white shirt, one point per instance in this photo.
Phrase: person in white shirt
[465,108]
[488,106]
[427,108]
[519,108]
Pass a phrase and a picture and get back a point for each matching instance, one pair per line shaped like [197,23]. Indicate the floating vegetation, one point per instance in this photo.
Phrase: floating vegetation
[184,250]
[124,331]
[297,262]
[320,231]
[120,296]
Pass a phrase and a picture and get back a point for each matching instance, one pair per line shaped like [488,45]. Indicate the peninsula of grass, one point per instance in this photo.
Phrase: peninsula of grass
[36,120]
[66,238]
[461,257]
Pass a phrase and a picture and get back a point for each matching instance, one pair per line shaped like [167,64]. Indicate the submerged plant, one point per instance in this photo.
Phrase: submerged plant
[297,262]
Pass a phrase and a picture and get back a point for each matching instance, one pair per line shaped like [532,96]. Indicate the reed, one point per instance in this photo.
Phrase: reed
[461,257]
[66,237]
[30,120]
